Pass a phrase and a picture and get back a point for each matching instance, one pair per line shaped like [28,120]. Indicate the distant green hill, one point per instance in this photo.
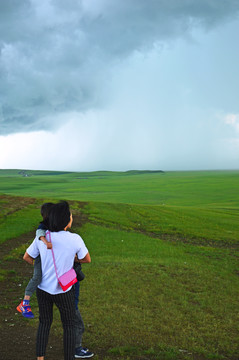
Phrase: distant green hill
[22,172]
[195,188]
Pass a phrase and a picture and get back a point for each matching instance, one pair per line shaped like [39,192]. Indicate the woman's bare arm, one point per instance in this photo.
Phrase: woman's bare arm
[28,258]
[86,259]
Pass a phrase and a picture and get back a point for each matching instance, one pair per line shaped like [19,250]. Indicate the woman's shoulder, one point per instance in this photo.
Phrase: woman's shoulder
[66,235]
[72,235]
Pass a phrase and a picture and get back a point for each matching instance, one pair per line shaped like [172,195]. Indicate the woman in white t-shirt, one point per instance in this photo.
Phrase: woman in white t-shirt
[49,292]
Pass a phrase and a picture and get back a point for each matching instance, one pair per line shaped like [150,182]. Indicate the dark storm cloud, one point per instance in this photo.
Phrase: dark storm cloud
[56,56]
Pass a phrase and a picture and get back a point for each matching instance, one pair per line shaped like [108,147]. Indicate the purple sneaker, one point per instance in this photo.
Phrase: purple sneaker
[25,310]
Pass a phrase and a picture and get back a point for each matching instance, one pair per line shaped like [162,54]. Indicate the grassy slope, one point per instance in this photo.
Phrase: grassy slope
[186,296]
[201,205]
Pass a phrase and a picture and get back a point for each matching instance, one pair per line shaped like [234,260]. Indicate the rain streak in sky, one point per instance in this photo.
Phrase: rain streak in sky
[117,85]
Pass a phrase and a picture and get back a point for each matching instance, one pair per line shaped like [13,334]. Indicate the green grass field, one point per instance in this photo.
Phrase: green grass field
[164,277]
[215,189]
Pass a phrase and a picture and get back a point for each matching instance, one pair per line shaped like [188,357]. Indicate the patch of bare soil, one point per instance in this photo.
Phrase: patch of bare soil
[15,203]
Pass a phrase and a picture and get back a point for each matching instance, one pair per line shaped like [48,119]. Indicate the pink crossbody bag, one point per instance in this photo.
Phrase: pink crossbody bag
[67,279]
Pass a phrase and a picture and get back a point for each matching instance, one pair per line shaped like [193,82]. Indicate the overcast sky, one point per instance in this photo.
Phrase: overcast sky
[116,85]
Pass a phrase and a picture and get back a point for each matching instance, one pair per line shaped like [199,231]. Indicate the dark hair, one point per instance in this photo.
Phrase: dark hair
[59,216]
[45,210]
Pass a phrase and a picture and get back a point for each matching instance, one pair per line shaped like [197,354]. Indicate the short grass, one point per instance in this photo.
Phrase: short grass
[206,225]
[153,293]
[18,223]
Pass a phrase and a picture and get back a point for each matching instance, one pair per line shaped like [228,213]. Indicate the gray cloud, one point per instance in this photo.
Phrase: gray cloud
[56,56]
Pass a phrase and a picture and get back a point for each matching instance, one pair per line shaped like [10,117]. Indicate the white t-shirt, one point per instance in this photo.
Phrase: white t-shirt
[65,245]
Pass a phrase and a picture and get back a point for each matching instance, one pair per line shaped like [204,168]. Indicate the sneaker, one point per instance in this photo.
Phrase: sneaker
[83,353]
[25,310]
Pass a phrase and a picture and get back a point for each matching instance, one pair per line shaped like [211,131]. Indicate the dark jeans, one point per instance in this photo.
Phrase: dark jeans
[66,306]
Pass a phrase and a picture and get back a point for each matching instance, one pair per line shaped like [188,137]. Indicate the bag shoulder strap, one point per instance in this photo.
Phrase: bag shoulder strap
[49,233]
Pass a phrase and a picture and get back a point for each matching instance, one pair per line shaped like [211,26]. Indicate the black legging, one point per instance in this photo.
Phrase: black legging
[66,306]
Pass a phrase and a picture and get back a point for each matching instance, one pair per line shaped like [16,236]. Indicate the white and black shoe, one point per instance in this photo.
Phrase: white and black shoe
[83,353]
